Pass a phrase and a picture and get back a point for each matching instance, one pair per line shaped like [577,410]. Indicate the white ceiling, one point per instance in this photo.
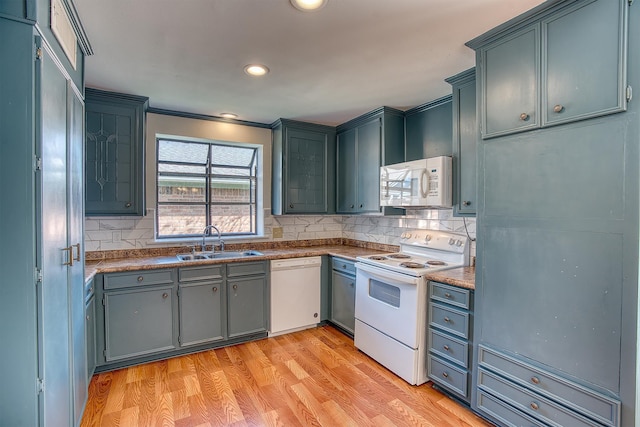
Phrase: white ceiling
[327,67]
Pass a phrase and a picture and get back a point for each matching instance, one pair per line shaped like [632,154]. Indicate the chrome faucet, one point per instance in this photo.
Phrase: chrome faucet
[207,229]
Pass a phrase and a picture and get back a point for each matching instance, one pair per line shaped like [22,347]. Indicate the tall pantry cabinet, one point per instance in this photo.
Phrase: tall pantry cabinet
[43,362]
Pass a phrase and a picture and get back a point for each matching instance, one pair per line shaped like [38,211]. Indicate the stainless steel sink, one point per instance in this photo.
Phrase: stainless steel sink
[216,255]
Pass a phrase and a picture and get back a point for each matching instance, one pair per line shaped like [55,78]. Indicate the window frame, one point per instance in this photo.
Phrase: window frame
[254,180]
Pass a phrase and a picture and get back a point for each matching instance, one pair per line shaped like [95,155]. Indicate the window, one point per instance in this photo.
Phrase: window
[202,183]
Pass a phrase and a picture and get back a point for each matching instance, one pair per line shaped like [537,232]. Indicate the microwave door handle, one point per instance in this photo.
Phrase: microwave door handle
[424,184]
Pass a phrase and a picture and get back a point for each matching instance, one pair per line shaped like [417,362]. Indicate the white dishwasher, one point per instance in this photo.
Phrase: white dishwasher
[295,294]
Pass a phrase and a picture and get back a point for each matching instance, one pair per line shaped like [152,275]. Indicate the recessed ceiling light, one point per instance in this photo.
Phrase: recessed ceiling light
[256,70]
[229,115]
[308,5]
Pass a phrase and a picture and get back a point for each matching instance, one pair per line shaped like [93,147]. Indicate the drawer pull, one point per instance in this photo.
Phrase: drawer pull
[558,108]
[351,284]
[88,318]
[446,347]
[235,287]
[127,205]
[534,406]
[444,374]
[215,289]
[344,265]
[535,380]
[291,206]
[447,295]
[524,117]
[165,295]
[140,278]
[446,319]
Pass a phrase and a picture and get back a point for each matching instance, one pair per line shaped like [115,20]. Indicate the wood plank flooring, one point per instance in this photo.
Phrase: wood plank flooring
[310,378]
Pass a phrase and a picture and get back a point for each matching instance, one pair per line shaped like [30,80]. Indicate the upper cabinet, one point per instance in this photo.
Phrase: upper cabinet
[465,138]
[114,153]
[364,144]
[303,168]
[567,65]
[428,129]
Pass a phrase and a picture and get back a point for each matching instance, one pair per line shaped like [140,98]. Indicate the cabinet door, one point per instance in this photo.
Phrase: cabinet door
[200,312]
[246,299]
[583,51]
[369,141]
[138,322]
[343,300]
[465,141]
[346,171]
[90,333]
[511,77]
[306,172]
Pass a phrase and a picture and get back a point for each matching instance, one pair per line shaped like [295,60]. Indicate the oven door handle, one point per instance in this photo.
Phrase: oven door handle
[389,276]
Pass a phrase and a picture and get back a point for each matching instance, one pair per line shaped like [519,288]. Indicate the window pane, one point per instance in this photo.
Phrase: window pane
[181,219]
[181,189]
[231,156]
[230,171]
[231,191]
[185,152]
[233,219]
[164,167]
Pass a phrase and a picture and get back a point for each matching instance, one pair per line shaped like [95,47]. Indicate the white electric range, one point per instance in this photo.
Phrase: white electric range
[391,299]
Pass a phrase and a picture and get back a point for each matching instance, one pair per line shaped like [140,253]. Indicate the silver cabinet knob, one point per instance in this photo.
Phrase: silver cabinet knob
[534,406]
[447,295]
[235,287]
[140,278]
[446,347]
[291,206]
[558,108]
[352,206]
[127,205]
[524,117]
[165,295]
[535,380]
[444,374]
[466,203]
[215,289]
[315,314]
[446,319]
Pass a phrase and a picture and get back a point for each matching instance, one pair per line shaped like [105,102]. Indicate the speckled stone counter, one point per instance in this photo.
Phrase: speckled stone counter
[464,277]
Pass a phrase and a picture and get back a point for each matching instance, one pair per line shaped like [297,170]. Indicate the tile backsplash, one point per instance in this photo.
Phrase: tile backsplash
[122,233]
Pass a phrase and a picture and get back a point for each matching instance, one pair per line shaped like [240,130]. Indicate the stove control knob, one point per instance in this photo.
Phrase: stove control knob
[428,238]
[407,235]
[451,241]
[458,242]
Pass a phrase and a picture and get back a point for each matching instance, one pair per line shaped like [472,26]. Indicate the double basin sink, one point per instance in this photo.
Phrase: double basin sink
[197,256]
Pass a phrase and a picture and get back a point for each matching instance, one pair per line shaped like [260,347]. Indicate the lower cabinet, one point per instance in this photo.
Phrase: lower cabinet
[450,338]
[90,334]
[153,314]
[139,321]
[343,294]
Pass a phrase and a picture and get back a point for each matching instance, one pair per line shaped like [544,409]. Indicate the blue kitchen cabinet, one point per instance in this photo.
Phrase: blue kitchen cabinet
[41,110]
[363,145]
[90,332]
[568,65]
[557,256]
[114,153]
[303,168]
[247,298]
[343,294]
[465,140]
[428,129]
[202,312]
[139,312]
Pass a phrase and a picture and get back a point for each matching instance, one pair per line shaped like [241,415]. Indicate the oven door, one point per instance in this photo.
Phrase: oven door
[392,303]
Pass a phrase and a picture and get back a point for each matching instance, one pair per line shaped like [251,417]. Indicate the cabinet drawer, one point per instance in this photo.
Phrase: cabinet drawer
[449,319]
[530,402]
[446,375]
[600,407]
[449,348]
[504,413]
[138,278]
[344,265]
[246,268]
[200,273]
[451,295]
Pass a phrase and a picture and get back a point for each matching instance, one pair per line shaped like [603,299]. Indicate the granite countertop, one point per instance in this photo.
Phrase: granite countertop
[461,277]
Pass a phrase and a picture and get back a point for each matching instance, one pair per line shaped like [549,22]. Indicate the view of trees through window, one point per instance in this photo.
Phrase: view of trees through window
[206,183]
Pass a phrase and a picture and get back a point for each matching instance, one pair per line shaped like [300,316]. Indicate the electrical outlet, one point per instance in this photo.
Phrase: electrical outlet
[276,232]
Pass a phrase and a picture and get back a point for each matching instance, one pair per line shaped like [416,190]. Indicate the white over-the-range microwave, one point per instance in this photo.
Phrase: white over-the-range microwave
[419,183]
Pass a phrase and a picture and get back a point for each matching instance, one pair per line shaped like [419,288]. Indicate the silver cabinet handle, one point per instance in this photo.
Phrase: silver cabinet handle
[69,252]
[127,205]
[446,319]
[77,246]
[558,108]
[535,380]
[165,295]
[446,347]
[235,287]
[447,295]
[140,278]
[444,374]
[534,406]
[524,117]
[215,289]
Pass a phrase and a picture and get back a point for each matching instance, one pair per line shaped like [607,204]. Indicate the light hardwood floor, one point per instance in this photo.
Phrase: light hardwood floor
[310,378]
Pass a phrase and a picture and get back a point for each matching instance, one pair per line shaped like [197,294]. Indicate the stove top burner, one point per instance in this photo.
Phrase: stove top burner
[435,262]
[410,264]
[377,258]
[398,256]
